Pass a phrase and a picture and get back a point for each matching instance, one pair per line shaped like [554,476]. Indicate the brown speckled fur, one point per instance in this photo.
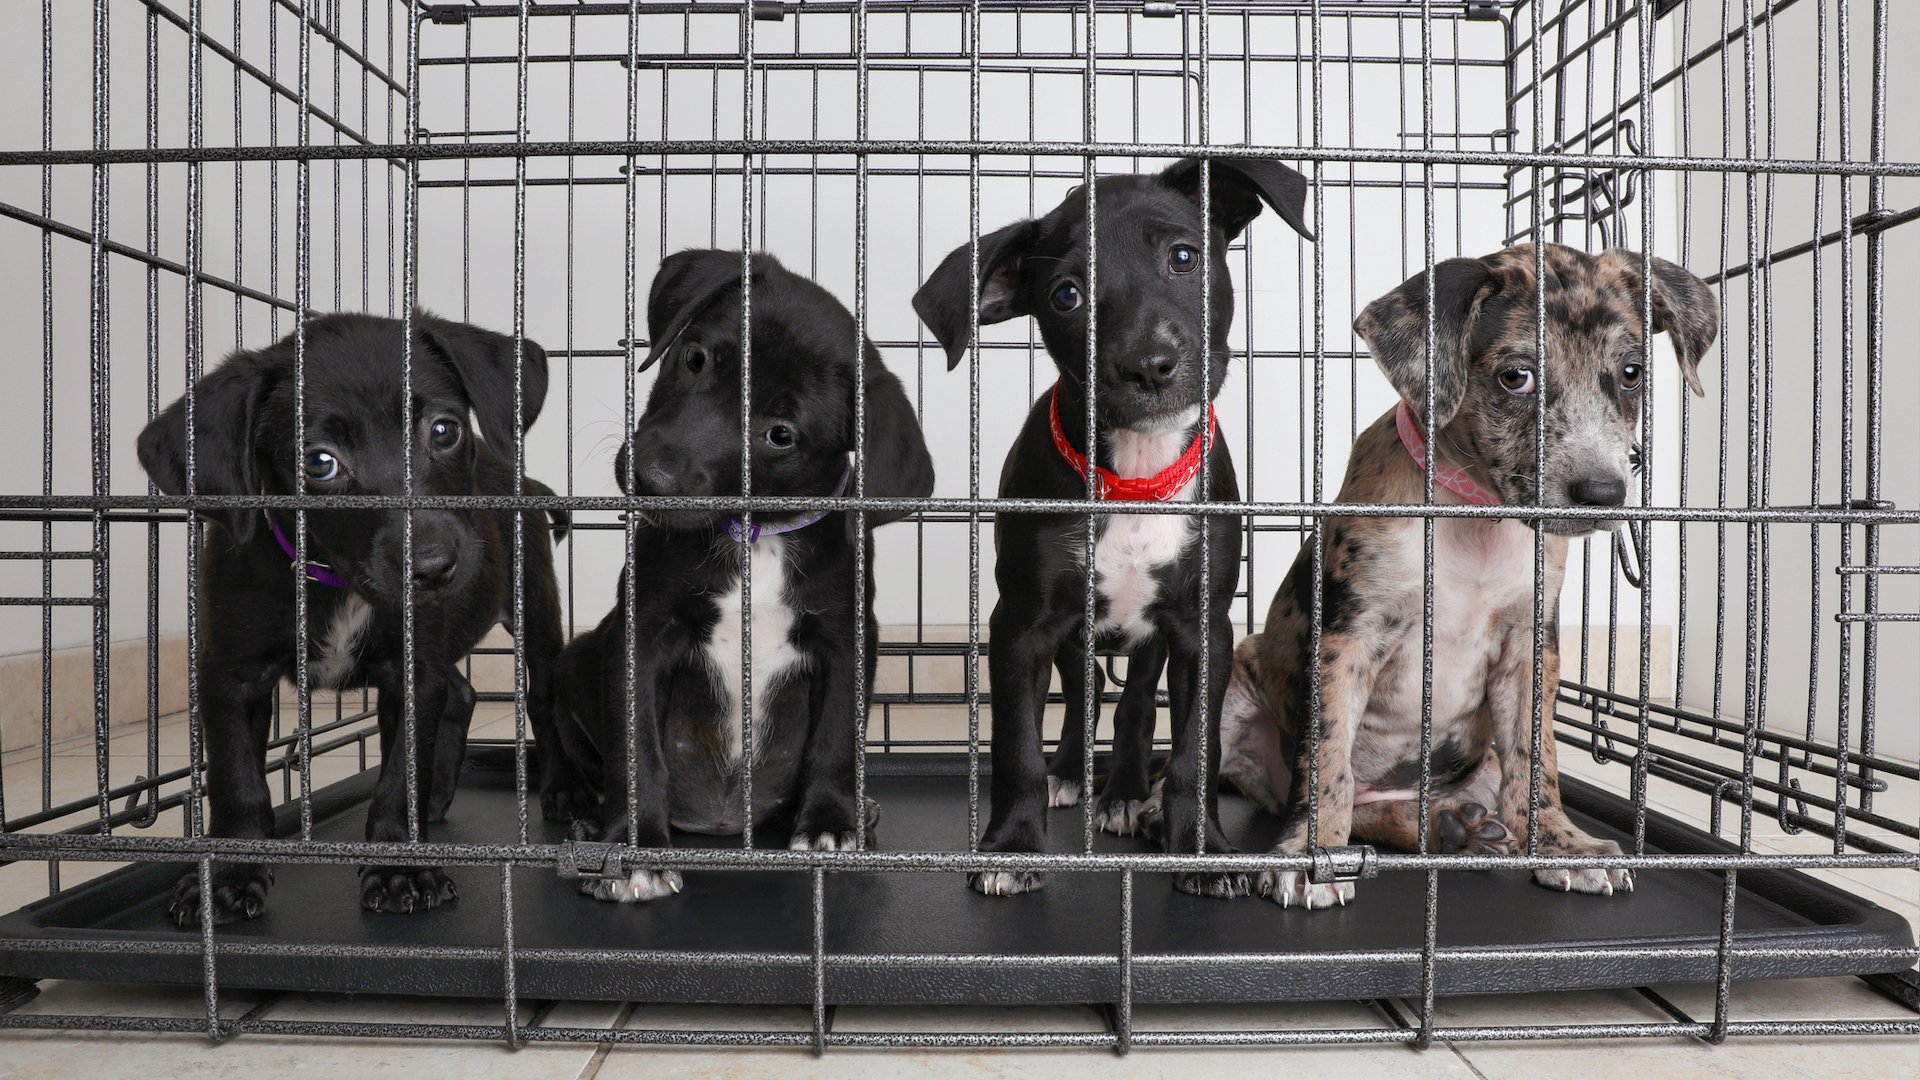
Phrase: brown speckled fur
[1371,593]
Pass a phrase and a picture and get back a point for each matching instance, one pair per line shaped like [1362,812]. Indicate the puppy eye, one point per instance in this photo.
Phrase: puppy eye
[322,466]
[695,358]
[1066,297]
[444,434]
[1517,380]
[780,436]
[1182,259]
[1630,377]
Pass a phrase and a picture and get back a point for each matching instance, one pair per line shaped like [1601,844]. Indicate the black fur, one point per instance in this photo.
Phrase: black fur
[460,576]
[1151,353]
[687,443]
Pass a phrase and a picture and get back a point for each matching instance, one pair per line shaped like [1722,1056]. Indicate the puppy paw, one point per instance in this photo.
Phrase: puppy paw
[1062,792]
[567,803]
[403,890]
[1123,817]
[1601,882]
[1290,888]
[1471,829]
[636,887]
[823,841]
[239,892]
[1214,886]
[1005,882]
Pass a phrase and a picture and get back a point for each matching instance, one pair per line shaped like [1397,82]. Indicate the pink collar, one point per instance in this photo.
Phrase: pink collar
[1454,480]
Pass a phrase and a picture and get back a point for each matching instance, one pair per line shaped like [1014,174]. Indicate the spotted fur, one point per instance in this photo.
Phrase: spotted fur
[1486,326]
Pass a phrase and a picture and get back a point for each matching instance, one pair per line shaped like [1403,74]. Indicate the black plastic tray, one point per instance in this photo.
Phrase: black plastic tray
[889,914]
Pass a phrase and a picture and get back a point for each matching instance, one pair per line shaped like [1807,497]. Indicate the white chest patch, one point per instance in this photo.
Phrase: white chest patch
[1482,571]
[774,655]
[1135,545]
[330,659]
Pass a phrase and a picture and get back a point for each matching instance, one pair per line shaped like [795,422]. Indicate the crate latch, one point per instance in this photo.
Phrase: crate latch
[1350,863]
[584,859]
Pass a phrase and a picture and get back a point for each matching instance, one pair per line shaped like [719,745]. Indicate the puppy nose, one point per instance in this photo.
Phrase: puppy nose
[433,568]
[1600,489]
[1151,373]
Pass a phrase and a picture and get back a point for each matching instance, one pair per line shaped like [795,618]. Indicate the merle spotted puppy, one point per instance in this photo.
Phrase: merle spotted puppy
[1486,382]
[688,566]
[1154,416]
[359,424]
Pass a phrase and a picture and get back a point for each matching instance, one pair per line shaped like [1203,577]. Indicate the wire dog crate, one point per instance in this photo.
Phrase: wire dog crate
[525,166]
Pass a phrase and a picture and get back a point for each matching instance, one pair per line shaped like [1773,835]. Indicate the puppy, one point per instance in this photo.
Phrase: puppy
[1485,381]
[460,578]
[1154,416]
[687,569]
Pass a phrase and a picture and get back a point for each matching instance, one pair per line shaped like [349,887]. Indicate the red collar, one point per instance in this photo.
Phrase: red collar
[1454,480]
[1171,481]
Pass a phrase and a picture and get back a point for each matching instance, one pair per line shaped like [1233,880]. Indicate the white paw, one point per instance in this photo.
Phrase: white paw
[1290,888]
[636,887]
[826,841]
[1062,792]
[1599,882]
[1004,882]
[1122,817]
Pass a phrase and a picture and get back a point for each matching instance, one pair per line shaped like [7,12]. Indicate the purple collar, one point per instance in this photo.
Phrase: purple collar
[736,529]
[319,572]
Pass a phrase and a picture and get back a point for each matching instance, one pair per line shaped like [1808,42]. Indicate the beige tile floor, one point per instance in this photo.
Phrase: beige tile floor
[91,1055]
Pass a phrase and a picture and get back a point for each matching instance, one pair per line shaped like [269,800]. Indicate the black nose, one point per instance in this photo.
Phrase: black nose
[433,568]
[1149,373]
[1598,490]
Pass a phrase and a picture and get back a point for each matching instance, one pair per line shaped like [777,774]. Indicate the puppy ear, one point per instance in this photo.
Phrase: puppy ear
[1238,186]
[943,301]
[225,407]
[897,462]
[1684,306]
[1395,329]
[686,283]
[483,362]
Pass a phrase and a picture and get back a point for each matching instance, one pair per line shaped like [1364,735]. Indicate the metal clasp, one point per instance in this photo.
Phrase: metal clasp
[1350,863]
[586,859]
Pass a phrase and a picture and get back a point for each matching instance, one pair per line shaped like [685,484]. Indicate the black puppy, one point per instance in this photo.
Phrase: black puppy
[460,577]
[1154,413]
[687,572]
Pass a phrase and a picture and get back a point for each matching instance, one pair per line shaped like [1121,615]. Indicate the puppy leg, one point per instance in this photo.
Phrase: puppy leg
[632,807]
[240,804]
[1122,806]
[1345,682]
[406,889]
[1018,655]
[827,820]
[1510,693]
[450,746]
[1067,771]
[564,794]
[1187,796]
[1251,755]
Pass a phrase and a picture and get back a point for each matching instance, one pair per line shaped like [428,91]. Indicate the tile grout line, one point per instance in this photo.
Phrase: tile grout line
[601,1050]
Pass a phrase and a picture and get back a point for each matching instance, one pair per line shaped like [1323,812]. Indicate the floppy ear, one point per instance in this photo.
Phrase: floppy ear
[225,405]
[897,462]
[685,284]
[483,362]
[944,304]
[1395,328]
[1238,187]
[1684,306]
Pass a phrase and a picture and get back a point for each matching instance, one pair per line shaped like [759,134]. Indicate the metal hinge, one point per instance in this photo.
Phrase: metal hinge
[769,11]
[1350,863]
[1483,10]
[584,859]
[448,15]
[1157,10]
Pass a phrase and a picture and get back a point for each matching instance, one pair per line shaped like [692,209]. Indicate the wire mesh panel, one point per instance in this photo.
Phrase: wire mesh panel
[528,167]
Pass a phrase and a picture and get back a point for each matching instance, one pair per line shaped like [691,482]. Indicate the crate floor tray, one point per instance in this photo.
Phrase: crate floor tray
[881,928]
